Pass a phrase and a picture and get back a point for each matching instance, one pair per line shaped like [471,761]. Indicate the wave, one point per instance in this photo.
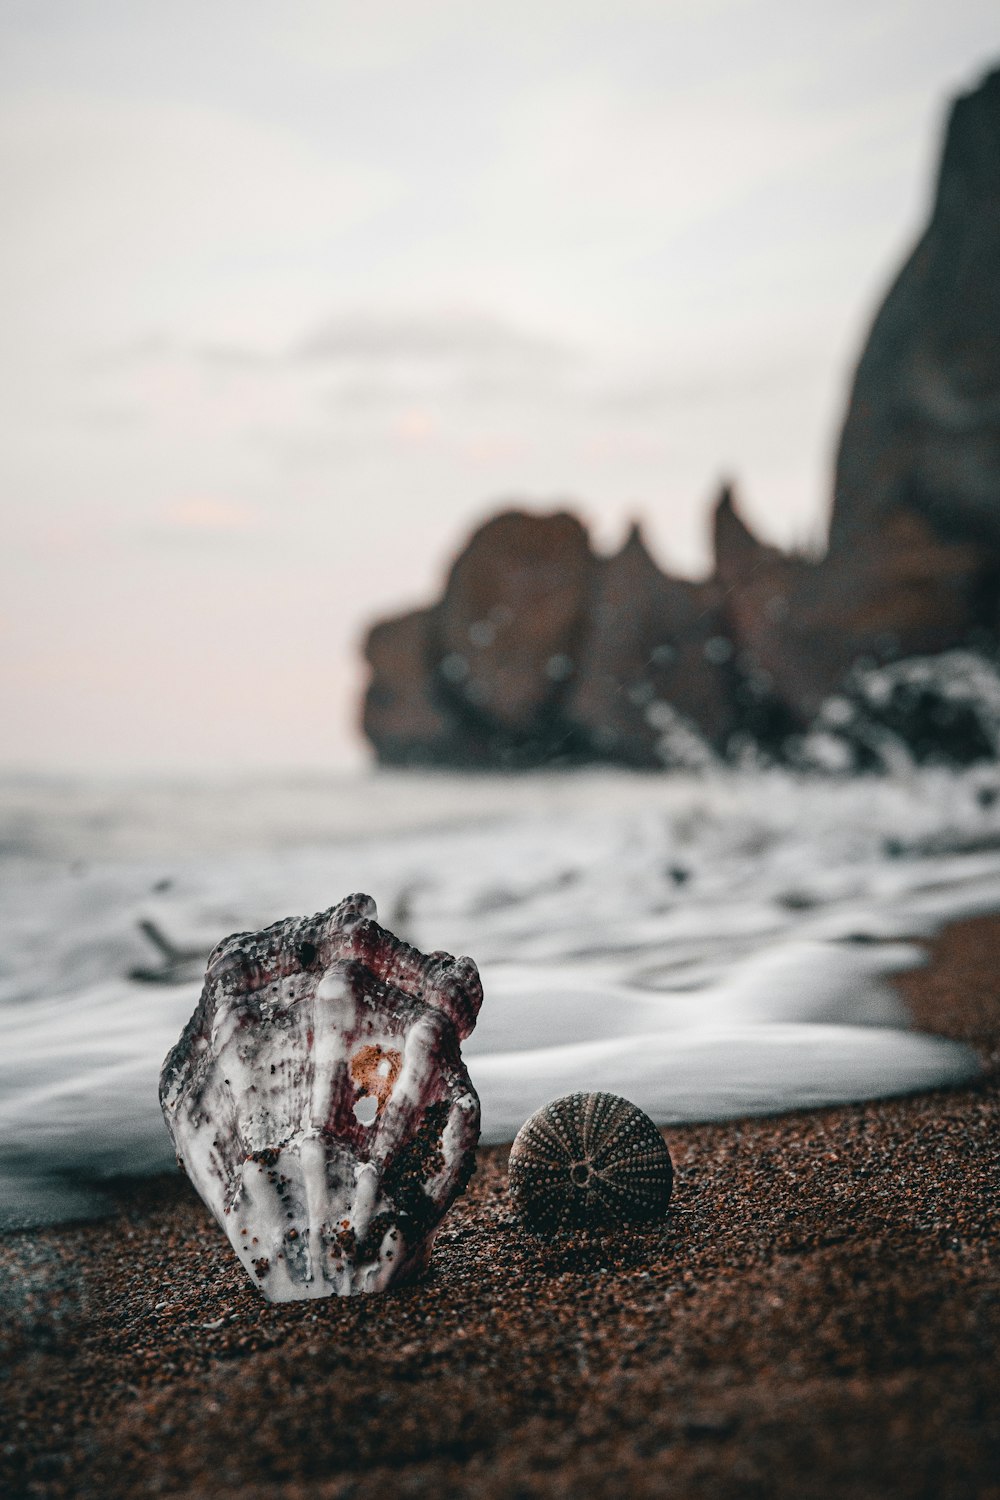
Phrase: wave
[711,945]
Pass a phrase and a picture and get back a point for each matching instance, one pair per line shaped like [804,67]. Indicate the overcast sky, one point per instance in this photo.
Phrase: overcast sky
[294,293]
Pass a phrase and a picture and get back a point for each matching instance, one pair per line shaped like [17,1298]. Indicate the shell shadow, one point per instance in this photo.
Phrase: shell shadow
[605,1247]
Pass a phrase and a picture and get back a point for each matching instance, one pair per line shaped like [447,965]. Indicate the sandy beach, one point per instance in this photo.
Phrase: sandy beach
[819,1316]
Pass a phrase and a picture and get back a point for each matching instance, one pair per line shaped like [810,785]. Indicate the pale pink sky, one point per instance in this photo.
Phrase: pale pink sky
[293,295]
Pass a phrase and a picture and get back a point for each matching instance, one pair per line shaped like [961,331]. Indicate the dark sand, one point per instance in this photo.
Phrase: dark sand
[820,1316]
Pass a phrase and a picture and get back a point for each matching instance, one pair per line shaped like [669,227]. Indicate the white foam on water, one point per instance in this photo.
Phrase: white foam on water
[711,945]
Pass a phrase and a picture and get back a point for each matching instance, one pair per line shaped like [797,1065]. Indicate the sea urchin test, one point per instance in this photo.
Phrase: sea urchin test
[589,1159]
[319,1103]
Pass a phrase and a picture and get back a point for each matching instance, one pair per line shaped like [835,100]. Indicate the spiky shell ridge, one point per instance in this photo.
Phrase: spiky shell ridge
[319,1102]
[589,1159]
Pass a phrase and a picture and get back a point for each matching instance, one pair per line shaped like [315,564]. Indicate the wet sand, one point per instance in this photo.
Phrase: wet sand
[819,1317]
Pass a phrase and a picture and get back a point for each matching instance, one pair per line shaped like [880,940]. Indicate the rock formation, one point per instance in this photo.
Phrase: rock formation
[922,431]
[654,657]
[507,634]
[913,564]
[401,717]
[540,651]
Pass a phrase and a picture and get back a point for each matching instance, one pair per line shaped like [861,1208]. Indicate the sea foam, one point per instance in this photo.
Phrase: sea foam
[711,946]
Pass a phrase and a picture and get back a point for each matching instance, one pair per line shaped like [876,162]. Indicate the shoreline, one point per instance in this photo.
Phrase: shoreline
[818,1317]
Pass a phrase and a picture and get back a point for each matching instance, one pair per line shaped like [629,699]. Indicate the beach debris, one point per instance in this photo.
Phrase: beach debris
[589,1159]
[177,965]
[319,1103]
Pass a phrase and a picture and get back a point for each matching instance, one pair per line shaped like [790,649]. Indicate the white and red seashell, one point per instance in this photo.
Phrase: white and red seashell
[319,1103]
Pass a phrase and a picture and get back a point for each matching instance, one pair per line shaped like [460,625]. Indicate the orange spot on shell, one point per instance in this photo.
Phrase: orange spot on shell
[374,1071]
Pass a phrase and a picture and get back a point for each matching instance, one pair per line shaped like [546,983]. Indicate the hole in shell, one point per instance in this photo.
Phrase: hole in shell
[365,1110]
[579,1173]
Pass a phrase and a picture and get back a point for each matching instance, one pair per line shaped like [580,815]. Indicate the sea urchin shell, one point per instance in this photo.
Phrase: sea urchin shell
[589,1159]
[319,1103]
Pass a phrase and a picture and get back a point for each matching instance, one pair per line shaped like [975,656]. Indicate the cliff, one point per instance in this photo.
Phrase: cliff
[539,651]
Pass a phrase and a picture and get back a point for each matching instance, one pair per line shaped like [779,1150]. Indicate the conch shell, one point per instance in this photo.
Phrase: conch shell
[318,1100]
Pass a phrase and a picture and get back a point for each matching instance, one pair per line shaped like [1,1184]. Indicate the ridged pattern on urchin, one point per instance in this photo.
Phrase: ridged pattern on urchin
[589,1159]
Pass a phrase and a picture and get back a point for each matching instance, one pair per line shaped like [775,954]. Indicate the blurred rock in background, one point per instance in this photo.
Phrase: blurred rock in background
[540,652]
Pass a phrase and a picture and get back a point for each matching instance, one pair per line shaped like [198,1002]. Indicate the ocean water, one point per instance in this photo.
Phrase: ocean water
[711,945]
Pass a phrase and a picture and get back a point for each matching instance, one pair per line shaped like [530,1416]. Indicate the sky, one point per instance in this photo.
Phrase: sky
[294,295]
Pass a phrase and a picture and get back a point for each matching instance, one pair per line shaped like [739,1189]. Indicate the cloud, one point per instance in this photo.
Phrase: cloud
[435,338]
[359,365]
[457,359]
[653,392]
[354,384]
[209,516]
[370,339]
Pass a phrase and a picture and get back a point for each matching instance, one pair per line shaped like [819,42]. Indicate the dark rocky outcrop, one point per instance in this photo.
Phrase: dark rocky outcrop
[654,644]
[913,563]
[922,431]
[401,717]
[508,630]
[541,651]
